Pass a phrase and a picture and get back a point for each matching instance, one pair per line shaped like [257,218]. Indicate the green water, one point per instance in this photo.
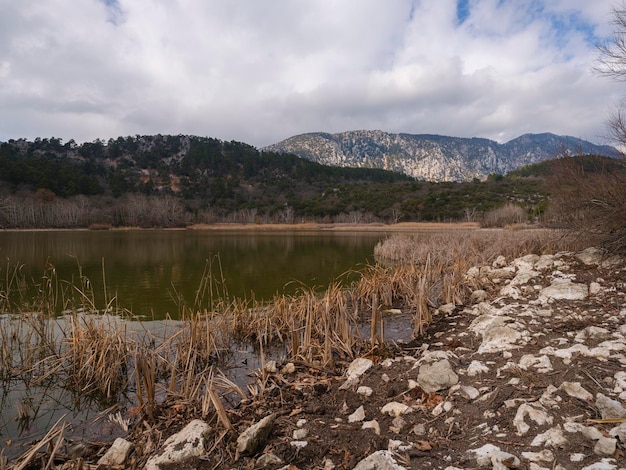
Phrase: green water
[153,272]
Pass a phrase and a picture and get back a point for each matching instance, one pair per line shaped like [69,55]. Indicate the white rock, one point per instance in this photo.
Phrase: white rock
[595,288]
[543,456]
[574,389]
[619,431]
[553,437]
[577,457]
[498,338]
[299,434]
[117,453]
[469,393]
[254,437]
[329,464]
[478,295]
[590,256]
[395,409]
[609,408]
[594,332]
[380,460]
[565,289]
[267,460]
[355,370]
[373,424]
[492,455]
[299,444]
[436,376]
[289,368]
[476,367]
[538,415]
[187,443]
[357,416]
[365,391]
[500,262]
[605,446]
[604,464]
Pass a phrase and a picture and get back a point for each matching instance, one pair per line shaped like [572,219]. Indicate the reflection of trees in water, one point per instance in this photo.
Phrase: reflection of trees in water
[147,270]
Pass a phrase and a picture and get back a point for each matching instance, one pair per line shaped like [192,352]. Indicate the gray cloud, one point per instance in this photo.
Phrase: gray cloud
[259,71]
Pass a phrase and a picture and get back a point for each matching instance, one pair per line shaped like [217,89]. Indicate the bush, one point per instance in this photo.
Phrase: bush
[589,198]
[508,214]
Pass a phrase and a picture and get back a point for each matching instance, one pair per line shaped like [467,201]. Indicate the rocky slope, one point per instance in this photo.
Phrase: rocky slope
[529,375]
[434,157]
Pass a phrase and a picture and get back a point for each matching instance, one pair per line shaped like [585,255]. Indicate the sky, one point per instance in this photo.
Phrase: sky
[259,71]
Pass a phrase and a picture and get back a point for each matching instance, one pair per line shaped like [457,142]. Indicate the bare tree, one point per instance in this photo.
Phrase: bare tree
[611,62]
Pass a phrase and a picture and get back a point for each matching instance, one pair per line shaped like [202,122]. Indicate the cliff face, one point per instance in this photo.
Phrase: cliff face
[434,157]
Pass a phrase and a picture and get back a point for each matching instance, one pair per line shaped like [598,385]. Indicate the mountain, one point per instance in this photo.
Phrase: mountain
[434,157]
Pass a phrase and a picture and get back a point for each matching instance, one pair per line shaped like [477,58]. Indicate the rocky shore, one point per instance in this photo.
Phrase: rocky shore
[531,374]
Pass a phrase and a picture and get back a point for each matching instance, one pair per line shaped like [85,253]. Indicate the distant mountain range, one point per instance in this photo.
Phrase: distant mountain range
[434,157]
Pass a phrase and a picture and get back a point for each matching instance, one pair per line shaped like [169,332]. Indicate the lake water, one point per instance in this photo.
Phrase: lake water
[153,272]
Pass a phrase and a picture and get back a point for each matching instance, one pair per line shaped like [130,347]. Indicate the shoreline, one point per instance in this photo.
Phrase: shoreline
[307,226]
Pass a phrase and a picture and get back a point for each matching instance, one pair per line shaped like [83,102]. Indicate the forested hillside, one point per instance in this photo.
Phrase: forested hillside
[167,181]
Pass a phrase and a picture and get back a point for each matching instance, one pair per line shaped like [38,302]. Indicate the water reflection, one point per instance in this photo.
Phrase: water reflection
[152,273]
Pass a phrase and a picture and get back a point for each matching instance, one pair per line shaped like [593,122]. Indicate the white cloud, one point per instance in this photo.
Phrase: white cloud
[261,70]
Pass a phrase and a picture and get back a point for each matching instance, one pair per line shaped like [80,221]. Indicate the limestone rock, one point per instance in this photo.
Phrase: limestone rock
[381,460]
[574,389]
[436,376]
[395,409]
[494,456]
[268,460]
[187,443]
[357,416]
[565,289]
[117,453]
[609,409]
[255,436]
[355,370]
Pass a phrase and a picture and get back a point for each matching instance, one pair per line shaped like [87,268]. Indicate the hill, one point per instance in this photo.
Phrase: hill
[167,181]
[434,157]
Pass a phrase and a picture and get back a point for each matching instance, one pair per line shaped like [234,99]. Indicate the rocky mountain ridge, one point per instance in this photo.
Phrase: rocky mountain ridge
[434,157]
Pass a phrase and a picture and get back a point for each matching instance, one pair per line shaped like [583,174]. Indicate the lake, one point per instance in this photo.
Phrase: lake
[154,272]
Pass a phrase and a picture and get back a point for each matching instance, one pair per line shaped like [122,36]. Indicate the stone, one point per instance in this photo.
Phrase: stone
[609,408]
[357,416]
[268,460]
[605,446]
[545,455]
[565,289]
[469,393]
[478,295]
[574,389]
[117,453]
[494,456]
[355,370]
[381,460]
[604,464]
[498,338]
[476,367]
[187,443]
[289,368]
[299,434]
[436,376]
[395,409]
[553,437]
[499,262]
[365,391]
[253,438]
[538,415]
[590,256]
[373,425]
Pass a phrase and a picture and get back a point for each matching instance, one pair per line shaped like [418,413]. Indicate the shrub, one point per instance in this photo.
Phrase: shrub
[589,198]
[508,214]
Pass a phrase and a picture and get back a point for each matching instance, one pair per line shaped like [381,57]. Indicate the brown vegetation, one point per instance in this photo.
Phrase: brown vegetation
[590,201]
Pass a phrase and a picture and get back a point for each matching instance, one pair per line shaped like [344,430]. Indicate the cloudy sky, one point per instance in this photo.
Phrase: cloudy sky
[259,71]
